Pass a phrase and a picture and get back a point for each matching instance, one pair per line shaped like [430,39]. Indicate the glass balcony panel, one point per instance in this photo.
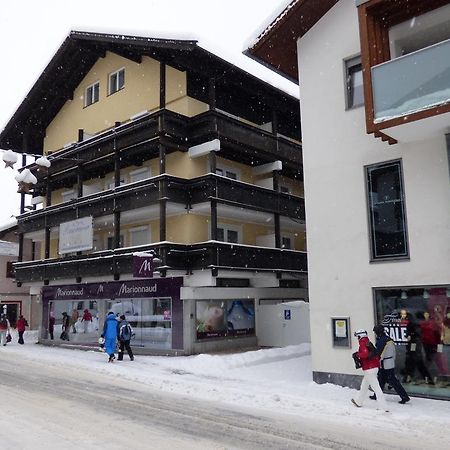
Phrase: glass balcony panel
[411,83]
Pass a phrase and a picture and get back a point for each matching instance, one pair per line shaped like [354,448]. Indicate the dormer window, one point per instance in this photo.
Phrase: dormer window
[116,81]
[92,94]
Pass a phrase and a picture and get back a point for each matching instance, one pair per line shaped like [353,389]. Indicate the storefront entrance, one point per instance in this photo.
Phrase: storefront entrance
[152,307]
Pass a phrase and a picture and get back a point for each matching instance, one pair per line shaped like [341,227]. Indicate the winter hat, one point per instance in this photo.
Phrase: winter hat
[360,333]
[378,330]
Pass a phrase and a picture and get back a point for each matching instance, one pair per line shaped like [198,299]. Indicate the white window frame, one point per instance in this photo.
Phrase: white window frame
[114,87]
[139,172]
[89,94]
[66,194]
[225,168]
[111,182]
[350,65]
[137,230]
[228,227]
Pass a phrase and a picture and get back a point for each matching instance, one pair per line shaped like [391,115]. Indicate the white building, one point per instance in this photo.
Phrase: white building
[376,161]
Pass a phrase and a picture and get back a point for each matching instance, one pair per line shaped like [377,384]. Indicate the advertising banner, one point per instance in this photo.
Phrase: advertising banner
[76,235]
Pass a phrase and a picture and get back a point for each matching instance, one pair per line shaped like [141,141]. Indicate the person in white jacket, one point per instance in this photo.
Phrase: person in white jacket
[4,329]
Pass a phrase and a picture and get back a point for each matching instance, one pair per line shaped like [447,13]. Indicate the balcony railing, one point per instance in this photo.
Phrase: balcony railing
[201,256]
[412,83]
[177,190]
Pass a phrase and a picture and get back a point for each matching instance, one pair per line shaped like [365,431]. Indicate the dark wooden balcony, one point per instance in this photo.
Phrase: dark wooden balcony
[177,190]
[139,140]
[211,255]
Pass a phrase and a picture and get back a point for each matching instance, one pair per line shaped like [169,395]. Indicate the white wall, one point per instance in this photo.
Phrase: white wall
[335,150]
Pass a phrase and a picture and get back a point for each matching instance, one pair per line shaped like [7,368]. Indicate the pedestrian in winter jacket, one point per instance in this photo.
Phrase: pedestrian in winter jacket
[124,333]
[369,364]
[51,324]
[4,329]
[20,325]
[110,335]
[386,374]
[87,317]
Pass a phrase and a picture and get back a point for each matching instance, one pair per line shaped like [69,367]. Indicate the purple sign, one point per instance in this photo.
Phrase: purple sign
[159,287]
[142,266]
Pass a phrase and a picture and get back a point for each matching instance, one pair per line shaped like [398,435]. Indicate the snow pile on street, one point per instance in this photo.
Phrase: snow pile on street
[278,380]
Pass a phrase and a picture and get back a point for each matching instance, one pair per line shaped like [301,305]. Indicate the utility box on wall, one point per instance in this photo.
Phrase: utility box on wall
[283,324]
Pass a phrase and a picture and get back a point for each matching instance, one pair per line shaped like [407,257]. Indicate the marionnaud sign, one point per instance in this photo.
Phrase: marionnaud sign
[76,235]
[161,287]
[142,265]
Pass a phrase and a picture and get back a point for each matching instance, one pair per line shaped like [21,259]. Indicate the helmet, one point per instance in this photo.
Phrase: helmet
[378,330]
[360,333]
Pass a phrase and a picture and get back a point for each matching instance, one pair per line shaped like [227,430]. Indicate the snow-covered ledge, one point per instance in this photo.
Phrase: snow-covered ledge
[205,148]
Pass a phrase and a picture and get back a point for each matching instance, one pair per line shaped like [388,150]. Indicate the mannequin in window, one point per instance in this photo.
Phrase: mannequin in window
[414,355]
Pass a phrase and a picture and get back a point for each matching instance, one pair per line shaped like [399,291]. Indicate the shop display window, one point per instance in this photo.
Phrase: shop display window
[225,318]
[418,320]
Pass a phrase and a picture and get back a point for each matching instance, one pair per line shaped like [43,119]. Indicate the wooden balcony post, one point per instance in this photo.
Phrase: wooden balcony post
[162,187]
[214,220]
[162,85]
[212,93]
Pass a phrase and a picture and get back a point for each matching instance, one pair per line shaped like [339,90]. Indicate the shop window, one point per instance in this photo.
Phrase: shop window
[418,321]
[354,82]
[116,81]
[224,318]
[386,205]
[92,94]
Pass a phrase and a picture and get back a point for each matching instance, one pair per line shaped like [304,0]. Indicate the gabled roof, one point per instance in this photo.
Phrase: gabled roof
[76,56]
[276,46]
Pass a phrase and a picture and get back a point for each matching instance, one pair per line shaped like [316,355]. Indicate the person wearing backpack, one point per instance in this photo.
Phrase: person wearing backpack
[125,333]
[386,374]
[370,362]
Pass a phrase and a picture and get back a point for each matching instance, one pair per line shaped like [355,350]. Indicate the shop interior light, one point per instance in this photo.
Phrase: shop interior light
[404,295]
[426,294]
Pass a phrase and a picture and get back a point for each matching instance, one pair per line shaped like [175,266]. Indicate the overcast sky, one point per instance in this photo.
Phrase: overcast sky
[31,31]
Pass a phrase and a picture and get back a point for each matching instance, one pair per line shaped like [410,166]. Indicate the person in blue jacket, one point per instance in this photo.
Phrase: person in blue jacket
[110,335]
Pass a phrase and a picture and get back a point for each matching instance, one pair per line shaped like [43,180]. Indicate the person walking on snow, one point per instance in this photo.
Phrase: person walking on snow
[386,374]
[124,332]
[87,317]
[21,325]
[4,329]
[110,335]
[370,362]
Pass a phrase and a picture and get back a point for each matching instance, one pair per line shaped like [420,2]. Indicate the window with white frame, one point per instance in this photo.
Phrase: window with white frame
[111,183]
[140,174]
[228,233]
[139,236]
[116,81]
[354,82]
[92,94]
[67,196]
[228,172]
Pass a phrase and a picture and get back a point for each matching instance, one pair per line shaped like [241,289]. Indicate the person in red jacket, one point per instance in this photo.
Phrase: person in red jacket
[370,362]
[21,324]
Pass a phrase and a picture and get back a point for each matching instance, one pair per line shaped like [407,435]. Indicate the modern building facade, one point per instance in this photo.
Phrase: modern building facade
[374,81]
[174,195]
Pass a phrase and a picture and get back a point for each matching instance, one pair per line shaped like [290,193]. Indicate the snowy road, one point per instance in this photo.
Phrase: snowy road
[61,407]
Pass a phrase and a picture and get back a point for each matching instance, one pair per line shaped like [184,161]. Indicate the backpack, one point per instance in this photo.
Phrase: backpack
[125,332]
[372,350]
